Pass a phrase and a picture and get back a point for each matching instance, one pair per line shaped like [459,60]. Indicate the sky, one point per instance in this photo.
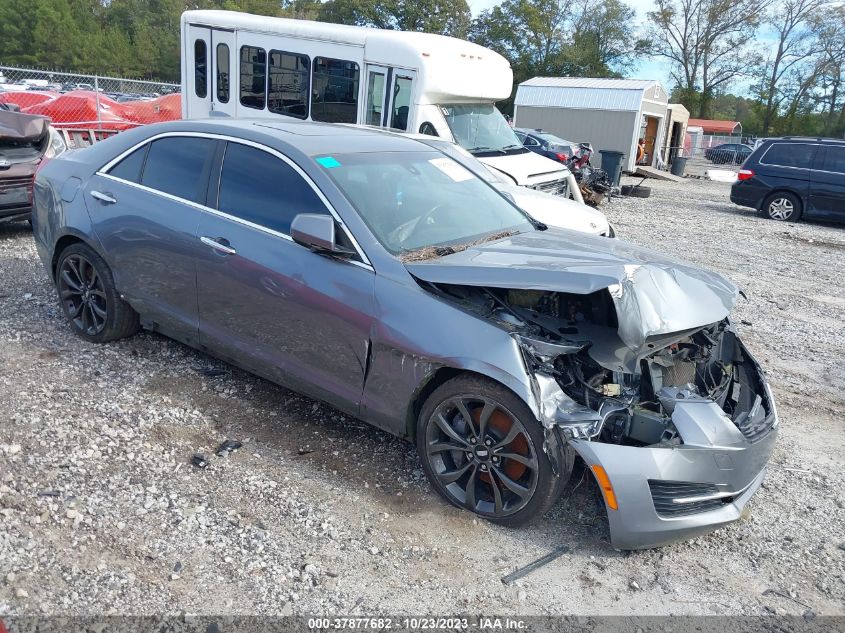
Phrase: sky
[647,68]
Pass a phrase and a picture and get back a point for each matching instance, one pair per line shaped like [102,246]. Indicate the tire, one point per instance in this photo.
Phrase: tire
[510,475]
[91,303]
[636,191]
[782,206]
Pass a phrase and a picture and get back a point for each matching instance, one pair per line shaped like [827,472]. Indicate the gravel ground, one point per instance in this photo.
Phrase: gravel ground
[317,513]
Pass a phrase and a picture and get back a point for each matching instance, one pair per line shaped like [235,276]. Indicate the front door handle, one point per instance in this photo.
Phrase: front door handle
[103,197]
[219,244]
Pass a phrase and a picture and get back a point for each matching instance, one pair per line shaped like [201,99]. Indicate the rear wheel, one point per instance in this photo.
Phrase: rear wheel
[783,206]
[482,450]
[88,296]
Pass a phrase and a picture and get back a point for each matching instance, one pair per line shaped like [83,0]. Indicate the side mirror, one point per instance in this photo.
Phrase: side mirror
[317,232]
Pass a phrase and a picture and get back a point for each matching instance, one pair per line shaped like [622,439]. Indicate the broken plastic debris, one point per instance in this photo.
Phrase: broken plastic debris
[199,460]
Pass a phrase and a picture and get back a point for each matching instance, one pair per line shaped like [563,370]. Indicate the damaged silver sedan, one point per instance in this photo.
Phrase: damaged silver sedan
[369,271]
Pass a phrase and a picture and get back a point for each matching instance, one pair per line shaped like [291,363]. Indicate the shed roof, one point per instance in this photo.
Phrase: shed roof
[716,127]
[584,93]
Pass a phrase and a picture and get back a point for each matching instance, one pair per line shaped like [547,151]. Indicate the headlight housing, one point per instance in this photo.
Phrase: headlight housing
[57,145]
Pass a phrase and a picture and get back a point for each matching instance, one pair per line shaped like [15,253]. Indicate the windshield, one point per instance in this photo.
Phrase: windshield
[415,200]
[481,129]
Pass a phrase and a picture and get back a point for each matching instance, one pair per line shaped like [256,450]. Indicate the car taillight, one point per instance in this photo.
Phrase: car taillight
[562,157]
[744,174]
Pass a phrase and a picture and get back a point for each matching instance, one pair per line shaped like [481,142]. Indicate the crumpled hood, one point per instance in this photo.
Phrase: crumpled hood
[653,295]
[22,127]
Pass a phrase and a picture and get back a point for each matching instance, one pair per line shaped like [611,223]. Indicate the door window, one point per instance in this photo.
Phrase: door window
[223,73]
[401,102]
[200,69]
[253,76]
[335,91]
[799,155]
[375,97]
[834,159]
[288,90]
[130,167]
[179,165]
[260,188]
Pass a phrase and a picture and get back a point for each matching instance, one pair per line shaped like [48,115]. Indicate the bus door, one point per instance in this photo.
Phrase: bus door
[401,98]
[211,62]
[375,105]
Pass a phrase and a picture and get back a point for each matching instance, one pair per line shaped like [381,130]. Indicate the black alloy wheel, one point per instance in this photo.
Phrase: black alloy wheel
[82,294]
[482,450]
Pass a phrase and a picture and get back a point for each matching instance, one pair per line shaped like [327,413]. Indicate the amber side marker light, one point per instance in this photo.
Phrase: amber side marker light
[606,487]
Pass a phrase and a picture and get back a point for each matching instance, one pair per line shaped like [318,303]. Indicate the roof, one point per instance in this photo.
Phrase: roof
[586,93]
[716,127]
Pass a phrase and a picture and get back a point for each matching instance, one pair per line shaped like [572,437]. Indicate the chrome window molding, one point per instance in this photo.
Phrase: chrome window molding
[103,171]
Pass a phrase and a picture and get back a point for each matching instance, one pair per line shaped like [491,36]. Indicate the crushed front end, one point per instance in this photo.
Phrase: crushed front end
[677,425]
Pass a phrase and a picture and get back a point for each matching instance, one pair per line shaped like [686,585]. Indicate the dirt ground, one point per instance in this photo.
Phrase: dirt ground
[102,512]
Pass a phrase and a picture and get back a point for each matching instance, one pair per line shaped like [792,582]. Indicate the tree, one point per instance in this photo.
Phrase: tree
[783,71]
[706,43]
[446,17]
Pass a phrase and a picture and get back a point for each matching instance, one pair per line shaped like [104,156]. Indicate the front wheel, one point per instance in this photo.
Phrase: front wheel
[482,450]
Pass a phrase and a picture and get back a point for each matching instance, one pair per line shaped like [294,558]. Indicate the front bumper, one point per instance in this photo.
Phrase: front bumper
[715,455]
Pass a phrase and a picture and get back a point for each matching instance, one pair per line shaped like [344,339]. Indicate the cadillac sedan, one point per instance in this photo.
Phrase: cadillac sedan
[383,277]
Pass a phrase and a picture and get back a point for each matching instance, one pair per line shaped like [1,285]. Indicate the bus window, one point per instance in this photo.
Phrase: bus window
[335,91]
[223,73]
[428,128]
[200,68]
[288,91]
[375,97]
[401,102]
[253,75]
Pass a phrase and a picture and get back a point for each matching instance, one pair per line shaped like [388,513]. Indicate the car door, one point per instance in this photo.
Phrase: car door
[827,183]
[145,207]
[273,306]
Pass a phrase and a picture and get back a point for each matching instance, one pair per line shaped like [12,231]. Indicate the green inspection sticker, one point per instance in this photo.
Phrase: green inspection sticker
[329,162]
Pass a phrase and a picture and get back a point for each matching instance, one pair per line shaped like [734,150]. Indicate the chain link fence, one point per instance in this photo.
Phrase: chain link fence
[86,108]
[705,152]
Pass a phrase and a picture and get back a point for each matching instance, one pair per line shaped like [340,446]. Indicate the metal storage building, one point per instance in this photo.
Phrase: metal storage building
[612,114]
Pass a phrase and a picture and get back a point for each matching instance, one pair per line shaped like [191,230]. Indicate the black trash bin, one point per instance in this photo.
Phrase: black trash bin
[611,162]
[679,165]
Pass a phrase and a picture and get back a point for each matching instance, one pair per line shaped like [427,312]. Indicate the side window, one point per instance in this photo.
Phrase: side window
[260,188]
[253,76]
[834,159]
[289,77]
[130,167]
[520,136]
[200,69]
[401,102]
[223,73]
[179,165]
[530,141]
[789,155]
[428,128]
[335,91]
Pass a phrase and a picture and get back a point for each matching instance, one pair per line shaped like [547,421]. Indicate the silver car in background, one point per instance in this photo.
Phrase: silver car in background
[381,276]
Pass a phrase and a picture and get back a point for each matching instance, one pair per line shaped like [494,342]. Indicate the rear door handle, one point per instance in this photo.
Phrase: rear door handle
[103,197]
[217,243]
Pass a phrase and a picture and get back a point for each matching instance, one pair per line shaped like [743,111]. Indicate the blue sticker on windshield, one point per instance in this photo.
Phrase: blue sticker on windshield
[329,162]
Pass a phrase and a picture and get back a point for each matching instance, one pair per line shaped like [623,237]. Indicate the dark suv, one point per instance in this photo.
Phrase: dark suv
[790,178]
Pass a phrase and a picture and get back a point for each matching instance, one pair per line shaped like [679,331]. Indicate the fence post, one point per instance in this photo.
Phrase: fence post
[97,97]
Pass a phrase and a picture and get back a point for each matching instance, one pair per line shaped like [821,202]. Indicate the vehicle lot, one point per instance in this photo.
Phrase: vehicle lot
[102,511]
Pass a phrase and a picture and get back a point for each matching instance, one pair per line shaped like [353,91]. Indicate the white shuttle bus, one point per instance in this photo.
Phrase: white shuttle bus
[248,66]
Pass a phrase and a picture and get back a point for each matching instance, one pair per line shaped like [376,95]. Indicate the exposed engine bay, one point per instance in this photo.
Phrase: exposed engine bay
[593,386]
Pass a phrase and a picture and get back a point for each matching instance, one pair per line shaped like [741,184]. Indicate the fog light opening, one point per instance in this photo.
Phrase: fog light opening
[606,487]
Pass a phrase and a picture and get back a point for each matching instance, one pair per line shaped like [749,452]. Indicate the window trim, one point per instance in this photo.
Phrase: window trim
[228,74]
[103,171]
[307,91]
[266,78]
[769,148]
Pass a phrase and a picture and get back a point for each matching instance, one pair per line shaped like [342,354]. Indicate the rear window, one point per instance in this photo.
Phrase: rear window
[834,159]
[177,165]
[798,155]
